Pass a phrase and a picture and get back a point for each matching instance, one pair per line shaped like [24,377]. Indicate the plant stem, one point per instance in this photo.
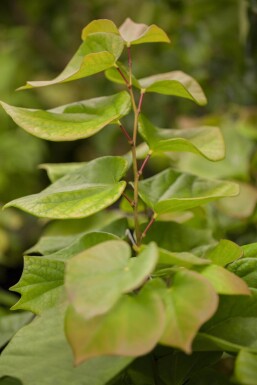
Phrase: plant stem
[128,199]
[125,132]
[140,172]
[148,226]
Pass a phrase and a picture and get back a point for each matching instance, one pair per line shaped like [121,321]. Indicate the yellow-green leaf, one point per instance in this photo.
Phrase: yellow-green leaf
[80,193]
[136,33]
[205,141]
[131,328]
[73,121]
[99,25]
[175,83]
[95,279]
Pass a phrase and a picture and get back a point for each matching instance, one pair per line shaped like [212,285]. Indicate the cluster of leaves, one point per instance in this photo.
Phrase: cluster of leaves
[114,285]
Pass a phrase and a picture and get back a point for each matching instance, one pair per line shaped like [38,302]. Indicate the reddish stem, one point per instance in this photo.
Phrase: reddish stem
[148,227]
[123,77]
[144,164]
[140,102]
[129,200]
[125,132]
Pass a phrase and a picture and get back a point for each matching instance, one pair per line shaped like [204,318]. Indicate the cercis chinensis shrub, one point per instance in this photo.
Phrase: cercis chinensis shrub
[130,282]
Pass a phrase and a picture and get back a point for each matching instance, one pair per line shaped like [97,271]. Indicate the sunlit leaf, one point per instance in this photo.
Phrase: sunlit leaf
[224,281]
[42,343]
[131,328]
[175,83]
[190,302]
[79,194]
[135,33]
[96,278]
[97,53]
[100,25]
[58,170]
[205,141]
[72,121]
[171,191]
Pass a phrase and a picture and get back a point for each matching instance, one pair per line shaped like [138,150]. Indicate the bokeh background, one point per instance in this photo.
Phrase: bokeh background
[213,41]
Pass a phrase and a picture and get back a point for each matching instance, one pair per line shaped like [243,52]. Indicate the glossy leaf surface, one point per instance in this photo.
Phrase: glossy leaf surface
[190,302]
[72,121]
[42,343]
[79,194]
[136,33]
[96,278]
[131,328]
[205,141]
[175,83]
[170,191]
[97,53]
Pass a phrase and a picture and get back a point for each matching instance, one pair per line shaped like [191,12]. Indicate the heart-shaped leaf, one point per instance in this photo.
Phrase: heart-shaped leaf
[100,25]
[205,141]
[96,278]
[79,194]
[97,53]
[136,33]
[175,83]
[43,344]
[224,281]
[73,121]
[171,191]
[42,282]
[131,328]
[190,302]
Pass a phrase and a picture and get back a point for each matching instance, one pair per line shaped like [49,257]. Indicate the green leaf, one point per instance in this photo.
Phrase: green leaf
[183,259]
[175,83]
[96,278]
[100,25]
[42,282]
[72,121]
[9,381]
[177,237]
[97,53]
[250,251]
[246,368]
[10,323]
[205,141]
[80,193]
[131,328]
[56,171]
[114,76]
[245,268]
[233,327]
[177,368]
[224,281]
[224,252]
[135,33]
[60,234]
[190,302]
[170,191]
[209,376]
[42,344]
[80,243]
